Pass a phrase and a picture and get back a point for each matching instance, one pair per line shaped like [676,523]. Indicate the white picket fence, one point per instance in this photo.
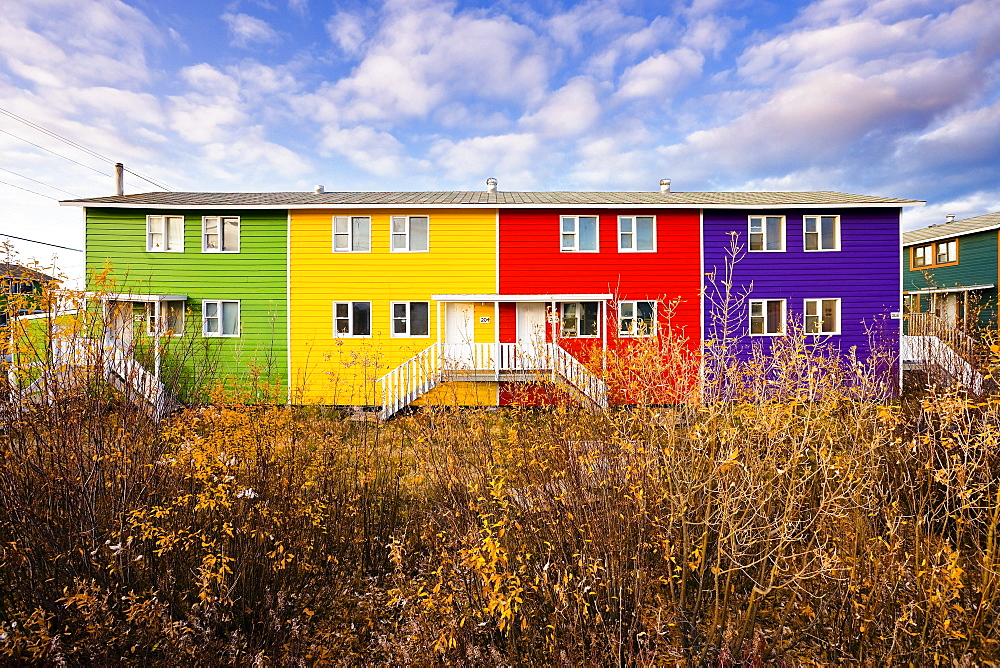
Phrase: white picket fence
[486,361]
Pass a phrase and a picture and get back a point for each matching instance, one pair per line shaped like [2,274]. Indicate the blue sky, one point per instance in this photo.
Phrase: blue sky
[895,97]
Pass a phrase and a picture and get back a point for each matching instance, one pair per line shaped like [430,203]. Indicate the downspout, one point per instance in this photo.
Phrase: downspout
[156,335]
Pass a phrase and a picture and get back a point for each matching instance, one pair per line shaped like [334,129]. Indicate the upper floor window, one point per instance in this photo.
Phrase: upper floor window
[165,234]
[352,319]
[409,234]
[579,233]
[767,317]
[822,316]
[934,255]
[220,317]
[352,234]
[636,234]
[220,234]
[821,233]
[767,233]
[410,319]
[580,319]
[636,318]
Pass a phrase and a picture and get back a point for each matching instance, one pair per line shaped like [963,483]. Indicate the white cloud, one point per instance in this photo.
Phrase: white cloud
[375,152]
[662,74]
[347,30]
[571,110]
[507,157]
[246,31]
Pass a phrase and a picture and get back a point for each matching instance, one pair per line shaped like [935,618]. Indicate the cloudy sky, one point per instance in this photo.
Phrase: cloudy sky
[898,98]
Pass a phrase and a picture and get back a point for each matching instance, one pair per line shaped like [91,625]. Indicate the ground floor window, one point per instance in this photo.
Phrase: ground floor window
[220,317]
[767,317]
[580,319]
[410,319]
[822,316]
[352,319]
[636,318]
[171,320]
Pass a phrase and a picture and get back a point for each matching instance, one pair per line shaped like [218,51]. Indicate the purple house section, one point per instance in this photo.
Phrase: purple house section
[864,274]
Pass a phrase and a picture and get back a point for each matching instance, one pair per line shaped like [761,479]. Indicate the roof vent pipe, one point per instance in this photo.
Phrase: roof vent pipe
[319,190]
[491,185]
[950,218]
[664,185]
[119,179]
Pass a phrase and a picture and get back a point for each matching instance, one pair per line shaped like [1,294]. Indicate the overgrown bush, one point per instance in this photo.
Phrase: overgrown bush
[807,519]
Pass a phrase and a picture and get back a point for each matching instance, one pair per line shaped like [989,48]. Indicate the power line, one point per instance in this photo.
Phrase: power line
[44,243]
[74,144]
[39,182]
[54,199]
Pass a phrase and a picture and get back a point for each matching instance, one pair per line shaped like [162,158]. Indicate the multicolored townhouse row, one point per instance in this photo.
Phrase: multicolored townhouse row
[397,298]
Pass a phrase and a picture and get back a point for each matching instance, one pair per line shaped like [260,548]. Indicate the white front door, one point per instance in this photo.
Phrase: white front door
[531,332]
[119,331]
[459,334]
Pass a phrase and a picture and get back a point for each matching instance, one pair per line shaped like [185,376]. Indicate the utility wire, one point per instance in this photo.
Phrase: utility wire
[54,199]
[39,182]
[44,243]
[74,144]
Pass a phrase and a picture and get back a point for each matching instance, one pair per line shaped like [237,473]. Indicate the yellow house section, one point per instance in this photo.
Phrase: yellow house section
[327,369]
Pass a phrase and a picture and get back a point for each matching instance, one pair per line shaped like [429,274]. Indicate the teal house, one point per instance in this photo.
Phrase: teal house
[950,276]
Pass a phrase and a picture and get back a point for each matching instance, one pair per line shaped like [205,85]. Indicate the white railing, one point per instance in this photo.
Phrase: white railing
[116,365]
[931,350]
[485,361]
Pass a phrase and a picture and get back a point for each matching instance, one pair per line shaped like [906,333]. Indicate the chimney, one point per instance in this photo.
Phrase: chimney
[491,185]
[119,179]
[950,218]
[319,190]
[664,185]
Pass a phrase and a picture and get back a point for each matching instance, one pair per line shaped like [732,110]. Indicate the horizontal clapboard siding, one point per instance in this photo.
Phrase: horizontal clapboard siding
[256,276]
[864,274]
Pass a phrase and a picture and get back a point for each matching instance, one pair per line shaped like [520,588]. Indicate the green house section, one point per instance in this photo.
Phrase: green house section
[977,265]
[253,364]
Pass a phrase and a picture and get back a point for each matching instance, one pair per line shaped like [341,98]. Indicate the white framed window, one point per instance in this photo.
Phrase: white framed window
[220,234]
[636,234]
[580,319]
[636,318]
[220,317]
[352,234]
[579,234]
[822,316]
[170,322]
[767,233]
[410,319]
[352,319]
[821,233]
[165,234]
[410,234]
[767,317]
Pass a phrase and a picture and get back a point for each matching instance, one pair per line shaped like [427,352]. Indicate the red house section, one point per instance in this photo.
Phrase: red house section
[533,262]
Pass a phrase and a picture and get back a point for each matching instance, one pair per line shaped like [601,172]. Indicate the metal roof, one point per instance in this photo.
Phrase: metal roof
[988,221]
[444,199]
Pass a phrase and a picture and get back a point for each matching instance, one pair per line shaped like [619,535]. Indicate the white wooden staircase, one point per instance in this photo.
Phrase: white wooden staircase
[443,362]
[73,361]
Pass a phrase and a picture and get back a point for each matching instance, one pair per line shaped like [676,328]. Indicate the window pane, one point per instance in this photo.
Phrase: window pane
[756,242]
[756,325]
[340,242]
[810,224]
[418,233]
[626,224]
[231,234]
[773,233]
[644,230]
[646,311]
[829,315]
[398,225]
[399,323]
[756,225]
[588,321]
[568,225]
[774,320]
[362,319]
[175,232]
[399,241]
[627,309]
[341,309]
[567,241]
[340,225]
[230,318]
[829,232]
[211,225]
[211,309]
[588,233]
[362,228]
[812,241]
[419,319]
[756,309]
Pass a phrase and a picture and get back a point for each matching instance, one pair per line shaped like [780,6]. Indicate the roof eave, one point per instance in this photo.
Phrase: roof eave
[953,235]
[494,205]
